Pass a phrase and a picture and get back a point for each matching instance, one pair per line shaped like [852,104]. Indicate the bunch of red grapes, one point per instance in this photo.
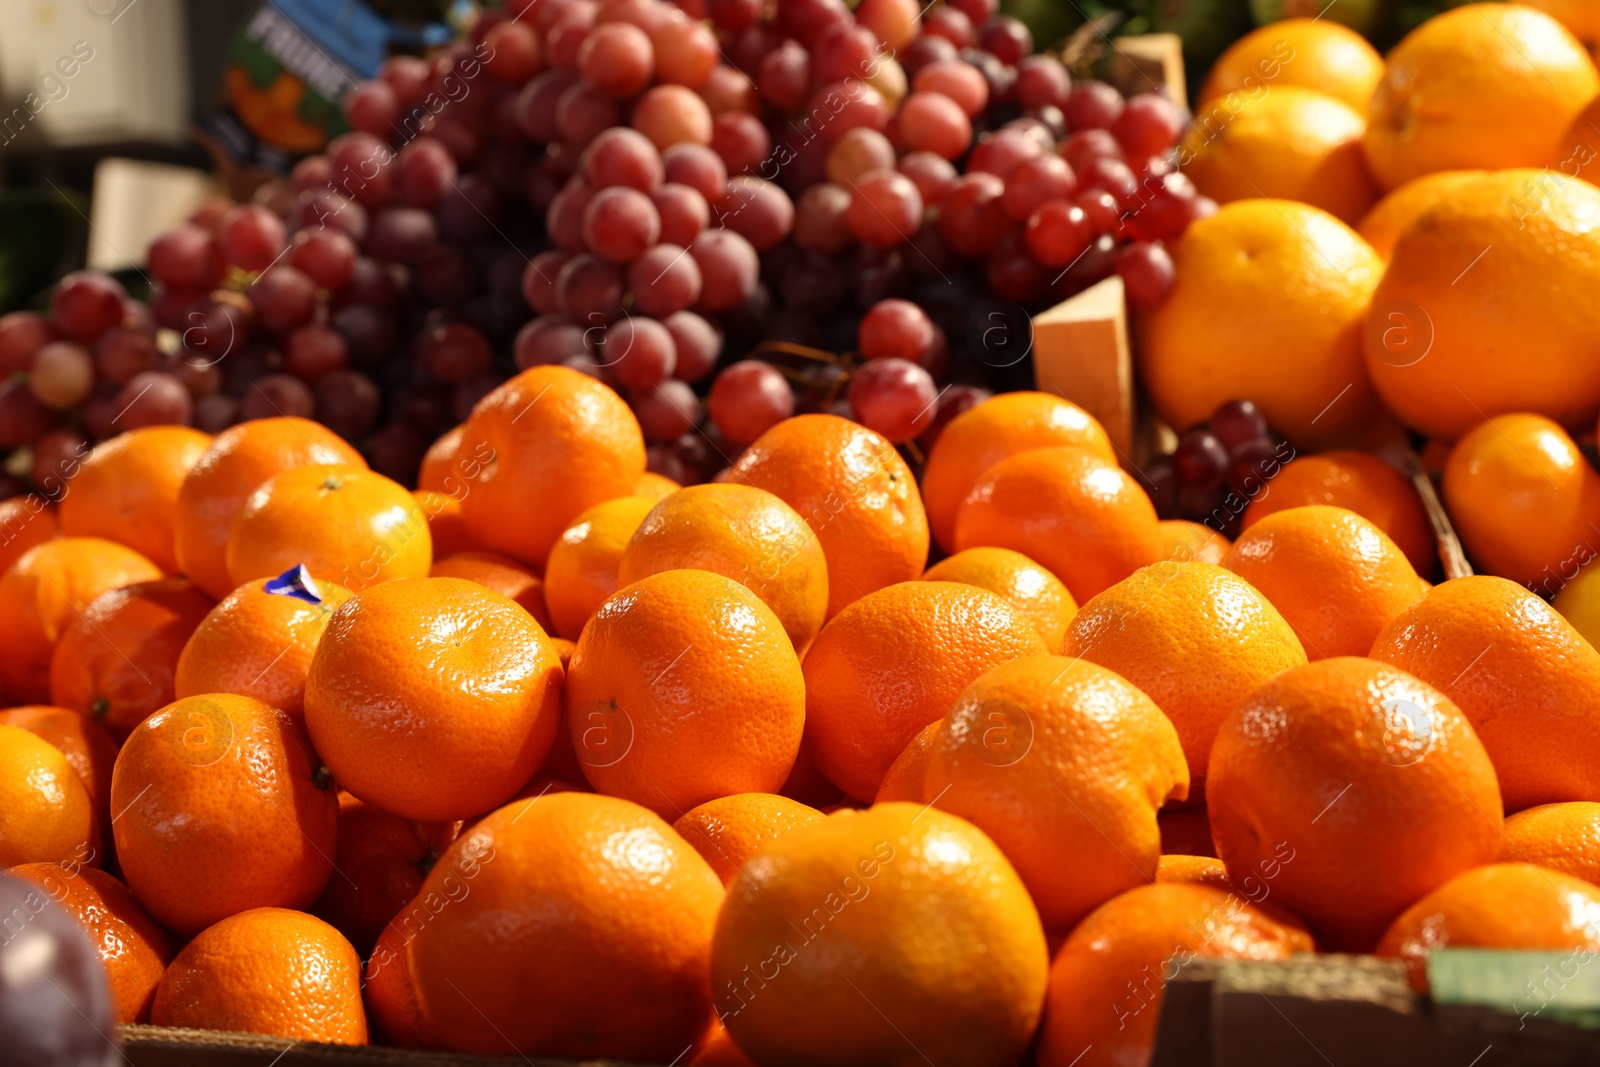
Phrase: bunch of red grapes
[811,199]
[1217,468]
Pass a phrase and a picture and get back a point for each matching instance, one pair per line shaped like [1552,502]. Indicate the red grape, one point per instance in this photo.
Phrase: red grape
[186,257]
[895,22]
[955,400]
[758,211]
[1057,233]
[925,49]
[620,223]
[87,303]
[821,221]
[536,104]
[1100,209]
[1148,124]
[785,76]
[1092,106]
[1147,274]
[685,51]
[120,353]
[313,351]
[22,333]
[622,157]
[894,398]
[932,122]
[514,53]
[934,176]
[684,213]
[565,38]
[843,50]
[153,398]
[56,456]
[950,23]
[277,395]
[346,401]
[748,399]
[319,209]
[1046,177]
[22,418]
[425,170]
[664,280]
[583,113]
[590,289]
[361,172]
[1002,152]
[1168,205]
[454,351]
[407,76]
[1042,82]
[327,257]
[729,269]
[698,167]
[284,298]
[666,411]
[806,20]
[697,342]
[1006,38]
[957,80]
[979,11]
[648,15]
[1200,459]
[372,107]
[734,15]
[402,235]
[549,339]
[1012,272]
[729,90]
[367,330]
[895,329]
[671,114]
[640,351]
[564,220]
[740,141]
[62,375]
[839,107]
[618,59]
[885,210]
[856,153]
[972,216]
[1236,422]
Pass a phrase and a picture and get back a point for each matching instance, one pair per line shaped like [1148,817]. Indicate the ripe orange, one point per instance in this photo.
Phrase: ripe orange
[44,592]
[1030,749]
[445,523]
[742,533]
[1336,578]
[393,1014]
[89,750]
[1288,143]
[116,661]
[562,443]
[1503,905]
[997,429]
[239,460]
[258,644]
[655,486]
[1524,500]
[1480,86]
[1312,53]
[1183,541]
[920,936]
[266,971]
[349,525]
[1075,513]
[626,904]
[1361,482]
[1036,593]
[685,688]
[1195,638]
[378,870]
[582,568]
[25,521]
[1561,837]
[500,573]
[1107,981]
[1528,682]
[1193,870]
[906,775]
[127,489]
[221,807]
[853,490]
[134,950]
[893,662]
[452,463]
[1222,331]
[1394,214]
[1440,335]
[433,698]
[45,813]
[1306,776]
[727,831]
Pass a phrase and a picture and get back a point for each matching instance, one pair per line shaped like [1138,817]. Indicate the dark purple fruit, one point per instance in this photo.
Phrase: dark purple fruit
[1201,460]
[55,1004]
[1236,422]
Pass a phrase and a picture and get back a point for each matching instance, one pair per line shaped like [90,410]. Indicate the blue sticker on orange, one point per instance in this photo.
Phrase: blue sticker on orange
[296,582]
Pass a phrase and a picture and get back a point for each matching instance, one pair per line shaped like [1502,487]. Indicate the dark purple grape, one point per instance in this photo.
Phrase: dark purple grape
[215,413]
[1253,463]
[154,398]
[55,1004]
[1160,480]
[277,394]
[1200,459]
[1237,422]
[667,411]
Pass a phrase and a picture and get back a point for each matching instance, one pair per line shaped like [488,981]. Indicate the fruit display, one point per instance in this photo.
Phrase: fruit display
[571,573]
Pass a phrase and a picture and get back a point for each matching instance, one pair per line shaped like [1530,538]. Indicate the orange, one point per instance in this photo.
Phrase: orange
[239,460]
[1075,513]
[221,806]
[1186,831]
[127,488]
[998,429]
[258,644]
[1561,837]
[716,1049]
[742,533]
[893,662]
[1289,143]
[378,869]
[1578,16]
[906,775]
[1193,870]
[1195,638]
[266,971]
[873,934]
[445,524]
[1258,279]
[342,524]
[1310,53]
[25,521]
[562,443]
[90,751]
[452,464]
[500,573]
[1036,593]
[1032,748]
[1577,154]
[1182,541]
[133,949]
[45,813]
[392,1011]
[582,568]
[433,698]
[1107,981]
[655,486]
[1503,905]
[1524,500]
[1361,482]
[685,688]
[44,592]
[853,490]
[621,900]
[1308,773]
[1336,578]
[1529,682]
[1394,214]
[728,830]
[1442,339]
[1487,86]
[116,661]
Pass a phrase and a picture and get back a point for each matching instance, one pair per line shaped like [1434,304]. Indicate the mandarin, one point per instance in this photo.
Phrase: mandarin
[452,464]
[1562,837]
[728,830]
[239,460]
[222,806]
[1579,603]
[1193,870]
[446,526]
[1311,53]
[45,812]
[921,936]
[1182,541]
[25,521]
[392,1010]
[88,748]
[581,571]
[893,662]
[433,698]
[907,775]
[502,574]
[1580,17]
[127,490]
[655,486]
[1026,586]
[1394,214]
[685,688]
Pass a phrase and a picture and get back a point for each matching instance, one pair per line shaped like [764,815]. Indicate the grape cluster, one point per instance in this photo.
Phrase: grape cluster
[1218,467]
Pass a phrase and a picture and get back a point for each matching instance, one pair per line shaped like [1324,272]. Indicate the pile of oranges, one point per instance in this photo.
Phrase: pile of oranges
[553,757]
